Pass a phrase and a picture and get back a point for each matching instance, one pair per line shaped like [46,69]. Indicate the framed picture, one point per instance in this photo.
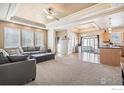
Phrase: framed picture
[116,37]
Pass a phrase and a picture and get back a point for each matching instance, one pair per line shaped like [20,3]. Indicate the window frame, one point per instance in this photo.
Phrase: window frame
[42,39]
[32,43]
[19,44]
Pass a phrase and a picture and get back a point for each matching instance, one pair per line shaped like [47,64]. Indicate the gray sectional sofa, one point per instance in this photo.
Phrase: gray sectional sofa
[40,55]
[20,68]
[17,72]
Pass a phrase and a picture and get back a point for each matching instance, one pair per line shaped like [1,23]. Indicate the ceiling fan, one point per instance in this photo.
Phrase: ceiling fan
[50,14]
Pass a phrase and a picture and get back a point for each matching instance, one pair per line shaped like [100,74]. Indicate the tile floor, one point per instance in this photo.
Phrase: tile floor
[77,69]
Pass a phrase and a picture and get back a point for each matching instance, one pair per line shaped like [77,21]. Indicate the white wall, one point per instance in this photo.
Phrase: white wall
[72,41]
[64,46]
[67,46]
[51,39]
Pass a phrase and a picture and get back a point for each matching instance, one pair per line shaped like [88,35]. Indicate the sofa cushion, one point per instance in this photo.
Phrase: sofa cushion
[37,48]
[17,58]
[25,49]
[13,51]
[49,50]
[29,49]
[3,59]
[43,50]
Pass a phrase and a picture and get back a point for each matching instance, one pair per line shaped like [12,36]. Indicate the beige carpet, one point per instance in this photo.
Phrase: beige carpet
[72,70]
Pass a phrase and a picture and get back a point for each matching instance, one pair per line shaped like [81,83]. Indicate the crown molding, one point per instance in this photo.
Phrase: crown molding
[86,15]
[81,14]
[11,10]
[22,24]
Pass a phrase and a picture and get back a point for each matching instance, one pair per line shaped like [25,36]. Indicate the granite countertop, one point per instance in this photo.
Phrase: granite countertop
[107,47]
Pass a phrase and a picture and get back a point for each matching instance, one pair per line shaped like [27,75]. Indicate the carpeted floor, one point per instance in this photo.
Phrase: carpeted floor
[72,70]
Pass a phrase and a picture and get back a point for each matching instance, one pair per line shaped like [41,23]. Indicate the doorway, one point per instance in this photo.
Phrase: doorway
[90,44]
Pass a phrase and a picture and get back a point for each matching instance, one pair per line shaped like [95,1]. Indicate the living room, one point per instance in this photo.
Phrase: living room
[61,44]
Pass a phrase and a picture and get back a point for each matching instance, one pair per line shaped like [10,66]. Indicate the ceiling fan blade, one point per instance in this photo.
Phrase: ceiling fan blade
[45,11]
[55,17]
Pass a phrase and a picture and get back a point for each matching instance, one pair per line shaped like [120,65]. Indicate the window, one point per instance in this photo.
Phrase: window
[85,42]
[27,38]
[14,38]
[11,38]
[39,39]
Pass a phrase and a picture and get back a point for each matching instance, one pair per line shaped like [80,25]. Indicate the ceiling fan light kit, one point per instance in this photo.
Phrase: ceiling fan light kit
[49,17]
[50,14]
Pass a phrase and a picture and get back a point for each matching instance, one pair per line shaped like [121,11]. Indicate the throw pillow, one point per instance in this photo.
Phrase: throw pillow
[3,59]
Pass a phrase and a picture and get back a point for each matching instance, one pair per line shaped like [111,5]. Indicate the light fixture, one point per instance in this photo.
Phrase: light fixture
[50,14]
[83,35]
[49,17]
[109,28]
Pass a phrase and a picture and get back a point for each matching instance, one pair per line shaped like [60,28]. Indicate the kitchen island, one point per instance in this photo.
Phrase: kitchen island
[110,56]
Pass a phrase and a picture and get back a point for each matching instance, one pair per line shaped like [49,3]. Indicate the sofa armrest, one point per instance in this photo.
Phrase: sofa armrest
[17,72]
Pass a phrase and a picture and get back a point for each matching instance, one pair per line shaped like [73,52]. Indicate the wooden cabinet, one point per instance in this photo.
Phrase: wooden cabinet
[110,56]
[122,36]
[122,51]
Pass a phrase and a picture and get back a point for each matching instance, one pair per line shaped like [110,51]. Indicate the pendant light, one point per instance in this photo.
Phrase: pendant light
[110,28]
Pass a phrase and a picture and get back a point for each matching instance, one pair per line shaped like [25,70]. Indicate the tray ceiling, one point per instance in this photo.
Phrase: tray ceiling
[34,12]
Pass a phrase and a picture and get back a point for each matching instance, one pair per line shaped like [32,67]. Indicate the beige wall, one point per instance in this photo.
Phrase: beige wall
[22,27]
[61,33]
[1,36]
